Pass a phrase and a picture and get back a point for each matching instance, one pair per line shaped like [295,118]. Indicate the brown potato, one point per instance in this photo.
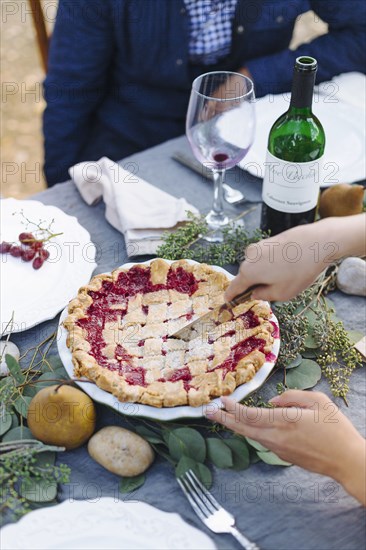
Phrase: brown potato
[120,451]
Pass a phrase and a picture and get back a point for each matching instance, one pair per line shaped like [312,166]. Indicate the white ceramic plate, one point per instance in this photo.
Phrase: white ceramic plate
[165,413]
[106,524]
[344,126]
[36,296]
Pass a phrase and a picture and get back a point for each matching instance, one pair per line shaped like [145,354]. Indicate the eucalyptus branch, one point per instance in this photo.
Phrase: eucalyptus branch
[24,446]
[318,289]
[37,347]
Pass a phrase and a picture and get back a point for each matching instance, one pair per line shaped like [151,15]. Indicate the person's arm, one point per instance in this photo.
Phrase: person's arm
[286,264]
[307,429]
[79,62]
[342,50]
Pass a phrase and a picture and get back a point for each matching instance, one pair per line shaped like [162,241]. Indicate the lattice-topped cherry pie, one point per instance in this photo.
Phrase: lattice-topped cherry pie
[119,327]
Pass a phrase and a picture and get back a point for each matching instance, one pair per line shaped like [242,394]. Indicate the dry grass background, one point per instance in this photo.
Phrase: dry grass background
[22,104]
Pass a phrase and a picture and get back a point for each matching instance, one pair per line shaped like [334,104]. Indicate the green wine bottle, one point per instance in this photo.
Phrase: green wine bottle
[293,168]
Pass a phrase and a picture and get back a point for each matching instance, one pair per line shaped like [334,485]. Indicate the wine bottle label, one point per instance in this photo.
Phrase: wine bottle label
[291,187]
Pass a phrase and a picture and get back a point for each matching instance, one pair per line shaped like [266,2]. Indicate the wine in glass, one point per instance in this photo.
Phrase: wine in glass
[220,128]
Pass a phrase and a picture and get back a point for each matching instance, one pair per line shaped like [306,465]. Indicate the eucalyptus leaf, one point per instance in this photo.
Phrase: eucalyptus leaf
[219,453]
[202,472]
[131,484]
[149,435]
[48,379]
[310,342]
[166,435]
[21,405]
[305,376]
[188,442]
[38,490]
[14,369]
[60,373]
[254,458]
[14,420]
[271,458]
[46,458]
[54,362]
[312,318]
[185,464]
[5,421]
[256,445]
[330,304]
[30,391]
[7,381]
[309,354]
[295,362]
[15,434]
[240,452]
[334,317]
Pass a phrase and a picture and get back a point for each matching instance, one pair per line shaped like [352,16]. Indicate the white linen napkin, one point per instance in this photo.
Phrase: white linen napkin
[134,207]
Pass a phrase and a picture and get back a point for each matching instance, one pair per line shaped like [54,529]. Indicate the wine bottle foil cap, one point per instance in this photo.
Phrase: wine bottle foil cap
[306,64]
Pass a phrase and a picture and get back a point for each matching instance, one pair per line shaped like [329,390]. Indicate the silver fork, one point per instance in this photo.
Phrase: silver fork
[210,512]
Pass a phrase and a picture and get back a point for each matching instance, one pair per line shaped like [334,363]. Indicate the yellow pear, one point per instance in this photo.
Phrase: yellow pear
[342,199]
[61,415]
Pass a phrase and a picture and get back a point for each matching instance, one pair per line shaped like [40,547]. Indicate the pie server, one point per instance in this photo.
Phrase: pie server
[220,313]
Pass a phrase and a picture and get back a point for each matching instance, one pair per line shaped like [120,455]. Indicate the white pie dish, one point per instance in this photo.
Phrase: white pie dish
[172,413]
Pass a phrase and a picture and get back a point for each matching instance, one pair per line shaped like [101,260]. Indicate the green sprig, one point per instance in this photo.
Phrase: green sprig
[22,468]
[186,242]
[27,470]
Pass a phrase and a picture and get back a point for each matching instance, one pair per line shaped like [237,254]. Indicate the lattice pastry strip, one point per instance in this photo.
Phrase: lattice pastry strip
[136,312]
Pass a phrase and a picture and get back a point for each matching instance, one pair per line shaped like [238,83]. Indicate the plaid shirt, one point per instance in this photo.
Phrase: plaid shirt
[210,29]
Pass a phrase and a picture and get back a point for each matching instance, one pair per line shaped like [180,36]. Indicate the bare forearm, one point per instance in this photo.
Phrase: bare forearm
[353,478]
[271,263]
[348,232]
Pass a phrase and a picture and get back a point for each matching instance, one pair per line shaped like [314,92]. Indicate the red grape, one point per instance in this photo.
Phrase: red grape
[15,251]
[28,254]
[30,249]
[26,238]
[44,254]
[37,245]
[37,262]
[5,247]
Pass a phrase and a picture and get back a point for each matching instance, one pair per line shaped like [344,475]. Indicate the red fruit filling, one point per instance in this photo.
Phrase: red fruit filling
[128,284]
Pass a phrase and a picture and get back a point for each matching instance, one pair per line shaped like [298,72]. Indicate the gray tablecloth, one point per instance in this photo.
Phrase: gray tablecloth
[279,508]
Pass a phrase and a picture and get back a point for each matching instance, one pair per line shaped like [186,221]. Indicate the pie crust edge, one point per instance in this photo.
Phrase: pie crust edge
[166,394]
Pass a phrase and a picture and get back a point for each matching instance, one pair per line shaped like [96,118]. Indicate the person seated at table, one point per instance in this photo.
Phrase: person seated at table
[120,72]
[333,448]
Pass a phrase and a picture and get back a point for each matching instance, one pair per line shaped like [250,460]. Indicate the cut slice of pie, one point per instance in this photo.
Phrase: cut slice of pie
[119,325]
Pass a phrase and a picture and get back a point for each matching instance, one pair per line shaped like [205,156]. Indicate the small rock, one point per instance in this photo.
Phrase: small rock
[120,451]
[7,348]
[351,276]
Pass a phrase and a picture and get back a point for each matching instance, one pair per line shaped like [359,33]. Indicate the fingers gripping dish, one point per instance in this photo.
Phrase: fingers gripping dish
[119,326]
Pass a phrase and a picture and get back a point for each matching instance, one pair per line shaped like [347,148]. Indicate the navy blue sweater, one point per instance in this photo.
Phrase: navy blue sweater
[119,76]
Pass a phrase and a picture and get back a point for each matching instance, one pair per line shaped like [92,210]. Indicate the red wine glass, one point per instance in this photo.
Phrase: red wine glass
[220,128]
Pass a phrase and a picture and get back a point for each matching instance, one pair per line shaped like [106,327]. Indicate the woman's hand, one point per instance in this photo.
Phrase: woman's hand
[282,265]
[286,264]
[307,429]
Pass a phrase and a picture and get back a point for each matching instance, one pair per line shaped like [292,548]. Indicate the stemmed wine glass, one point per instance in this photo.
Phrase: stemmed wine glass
[220,128]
